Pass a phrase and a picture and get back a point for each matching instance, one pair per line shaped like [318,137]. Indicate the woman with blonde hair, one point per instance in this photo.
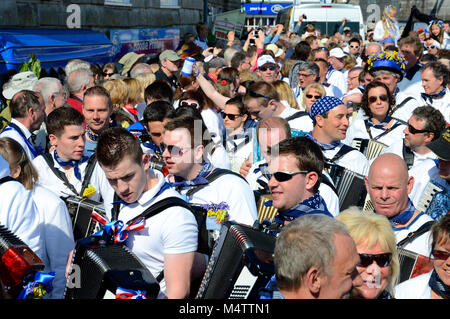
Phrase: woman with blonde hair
[119,91]
[135,91]
[379,267]
[312,93]
[388,26]
[285,93]
[55,220]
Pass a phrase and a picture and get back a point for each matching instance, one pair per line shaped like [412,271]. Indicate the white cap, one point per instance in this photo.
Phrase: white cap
[18,82]
[337,53]
[264,59]
[4,167]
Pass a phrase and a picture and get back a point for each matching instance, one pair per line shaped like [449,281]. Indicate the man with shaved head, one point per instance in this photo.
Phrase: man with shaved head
[389,185]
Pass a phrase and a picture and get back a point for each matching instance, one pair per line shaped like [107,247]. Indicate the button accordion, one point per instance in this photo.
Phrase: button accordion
[370,148]
[412,264]
[240,264]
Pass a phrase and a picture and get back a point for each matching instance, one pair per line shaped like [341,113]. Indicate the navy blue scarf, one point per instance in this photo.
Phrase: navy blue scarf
[73,163]
[433,96]
[438,286]
[380,126]
[323,146]
[200,179]
[404,217]
[312,205]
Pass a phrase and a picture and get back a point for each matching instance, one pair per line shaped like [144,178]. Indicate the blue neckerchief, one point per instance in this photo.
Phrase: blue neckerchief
[438,286]
[405,216]
[323,146]
[73,163]
[270,291]
[233,145]
[200,179]
[433,96]
[12,126]
[380,126]
[312,205]
[396,91]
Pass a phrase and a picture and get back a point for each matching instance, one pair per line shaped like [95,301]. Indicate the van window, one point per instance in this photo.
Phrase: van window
[330,28]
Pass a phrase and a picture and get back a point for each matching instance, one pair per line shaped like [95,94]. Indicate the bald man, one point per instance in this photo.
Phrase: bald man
[389,185]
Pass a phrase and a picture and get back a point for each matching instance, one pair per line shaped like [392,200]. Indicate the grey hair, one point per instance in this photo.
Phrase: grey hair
[140,68]
[310,66]
[47,86]
[380,72]
[77,79]
[229,53]
[306,242]
[76,64]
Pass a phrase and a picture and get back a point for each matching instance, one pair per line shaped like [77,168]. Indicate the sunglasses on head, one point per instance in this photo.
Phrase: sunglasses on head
[310,96]
[232,117]
[254,94]
[374,98]
[440,255]
[382,260]
[413,130]
[270,67]
[172,149]
[192,104]
[283,176]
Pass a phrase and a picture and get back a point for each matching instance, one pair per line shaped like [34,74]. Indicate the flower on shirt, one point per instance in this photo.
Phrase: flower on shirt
[219,211]
[89,191]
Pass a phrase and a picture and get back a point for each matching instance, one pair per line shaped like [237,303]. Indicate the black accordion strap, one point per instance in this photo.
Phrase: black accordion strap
[7,179]
[408,156]
[413,235]
[216,173]
[327,181]
[49,159]
[344,150]
[395,108]
[296,115]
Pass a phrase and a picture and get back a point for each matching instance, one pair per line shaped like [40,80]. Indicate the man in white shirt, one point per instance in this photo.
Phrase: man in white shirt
[65,170]
[436,93]
[168,242]
[337,74]
[389,185]
[27,113]
[184,150]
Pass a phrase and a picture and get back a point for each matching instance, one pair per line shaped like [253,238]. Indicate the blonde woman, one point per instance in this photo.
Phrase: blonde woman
[387,26]
[118,91]
[286,95]
[135,91]
[145,79]
[379,267]
[312,93]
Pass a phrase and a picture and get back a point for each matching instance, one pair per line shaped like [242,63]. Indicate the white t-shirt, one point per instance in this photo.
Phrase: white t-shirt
[420,245]
[442,104]
[172,231]
[397,148]
[303,123]
[338,79]
[354,160]
[414,288]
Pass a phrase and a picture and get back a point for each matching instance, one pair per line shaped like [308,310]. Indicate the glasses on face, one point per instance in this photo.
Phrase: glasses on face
[254,94]
[283,176]
[192,104]
[413,130]
[440,255]
[172,149]
[232,117]
[382,260]
[265,68]
[374,98]
[354,46]
[108,74]
[430,47]
[304,75]
[310,96]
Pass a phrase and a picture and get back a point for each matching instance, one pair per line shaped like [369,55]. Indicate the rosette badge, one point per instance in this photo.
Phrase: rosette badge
[387,60]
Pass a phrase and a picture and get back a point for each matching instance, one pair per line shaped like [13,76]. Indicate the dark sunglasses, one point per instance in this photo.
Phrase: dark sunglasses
[172,149]
[310,96]
[382,97]
[270,67]
[254,94]
[232,117]
[413,130]
[440,255]
[283,176]
[382,260]
[193,104]
[108,74]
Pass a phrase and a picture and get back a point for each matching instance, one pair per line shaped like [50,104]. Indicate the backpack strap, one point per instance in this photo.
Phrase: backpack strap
[7,179]
[296,115]
[215,174]
[413,235]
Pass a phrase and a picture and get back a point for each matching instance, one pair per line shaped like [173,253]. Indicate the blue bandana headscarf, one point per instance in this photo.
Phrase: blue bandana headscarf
[323,105]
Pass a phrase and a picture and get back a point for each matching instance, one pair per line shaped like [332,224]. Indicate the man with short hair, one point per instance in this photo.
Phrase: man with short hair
[27,115]
[167,244]
[435,77]
[185,146]
[354,48]
[78,81]
[158,91]
[170,63]
[97,110]
[424,126]
[337,75]
[201,39]
[389,186]
[140,68]
[411,48]
[301,75]
[267,69]
[315,258]
[330,89]
[65,170]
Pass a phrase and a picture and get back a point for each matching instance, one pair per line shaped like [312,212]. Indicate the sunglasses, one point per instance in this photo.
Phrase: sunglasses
[382,260]
[232,117]
[283,176]
[354,46]
[310,96]
[382,97]
[440,255]
[413,130]
[254,94]
[430,47]
[270,67]
[193,104]
[108,74]
[172,149]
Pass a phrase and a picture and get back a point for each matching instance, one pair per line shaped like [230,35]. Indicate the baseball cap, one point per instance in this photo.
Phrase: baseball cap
[337,53]
[441,146]
[18,82]
[169,55]
[264,59]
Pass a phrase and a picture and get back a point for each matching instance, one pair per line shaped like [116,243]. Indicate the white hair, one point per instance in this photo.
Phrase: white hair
[47,86]
[76,64]
[140,68]
[77,79]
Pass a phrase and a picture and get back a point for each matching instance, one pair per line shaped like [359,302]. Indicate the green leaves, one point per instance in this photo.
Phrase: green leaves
[33,65]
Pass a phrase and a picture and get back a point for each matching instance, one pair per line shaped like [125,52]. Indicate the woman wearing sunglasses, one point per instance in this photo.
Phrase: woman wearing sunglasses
[378,270]
[379,126]
[436,283]
[312,93]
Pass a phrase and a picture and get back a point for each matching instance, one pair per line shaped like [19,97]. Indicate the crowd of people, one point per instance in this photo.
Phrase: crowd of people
[274,120]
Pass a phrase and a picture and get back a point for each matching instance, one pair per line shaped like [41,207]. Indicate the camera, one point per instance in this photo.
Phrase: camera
[304,16]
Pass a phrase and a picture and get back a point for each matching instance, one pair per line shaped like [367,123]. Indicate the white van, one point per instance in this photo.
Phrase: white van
[327,17]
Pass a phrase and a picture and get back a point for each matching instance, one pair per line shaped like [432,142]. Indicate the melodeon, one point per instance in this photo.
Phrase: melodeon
[412,264]
[370,148]
[240,264]
[80,210]
[426,200]
[349,185]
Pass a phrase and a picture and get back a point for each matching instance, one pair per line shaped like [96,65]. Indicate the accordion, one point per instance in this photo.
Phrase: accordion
[80,210]
[428,201]
[98,270]
[240,264]
[412,264]
[370,148]
[350,186]
[265,212]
